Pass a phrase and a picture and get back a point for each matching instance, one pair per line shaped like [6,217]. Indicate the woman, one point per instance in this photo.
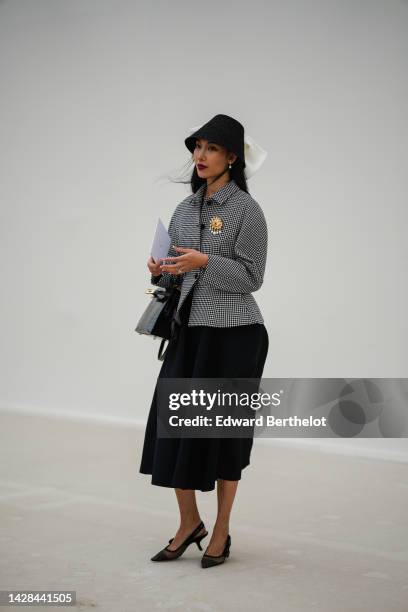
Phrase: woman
[218,254]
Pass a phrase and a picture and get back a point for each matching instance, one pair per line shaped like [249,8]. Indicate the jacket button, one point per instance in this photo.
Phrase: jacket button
[196,275]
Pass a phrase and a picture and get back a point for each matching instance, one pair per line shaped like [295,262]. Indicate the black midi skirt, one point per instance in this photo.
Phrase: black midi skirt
[203,352]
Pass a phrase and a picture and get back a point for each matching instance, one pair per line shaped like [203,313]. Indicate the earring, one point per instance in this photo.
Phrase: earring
[230,166]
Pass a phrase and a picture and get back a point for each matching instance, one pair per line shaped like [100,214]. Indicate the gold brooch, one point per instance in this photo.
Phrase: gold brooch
[216,225]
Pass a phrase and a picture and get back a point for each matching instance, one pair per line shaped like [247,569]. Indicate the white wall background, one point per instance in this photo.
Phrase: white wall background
[97,98]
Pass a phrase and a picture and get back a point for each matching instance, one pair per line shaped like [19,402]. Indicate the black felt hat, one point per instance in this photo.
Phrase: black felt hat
[223,130]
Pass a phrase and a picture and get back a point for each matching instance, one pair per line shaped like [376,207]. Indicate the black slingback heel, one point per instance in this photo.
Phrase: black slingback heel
[168,555]
[210,560]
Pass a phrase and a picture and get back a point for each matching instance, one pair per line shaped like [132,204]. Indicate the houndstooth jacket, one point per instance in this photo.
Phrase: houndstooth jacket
[234,235]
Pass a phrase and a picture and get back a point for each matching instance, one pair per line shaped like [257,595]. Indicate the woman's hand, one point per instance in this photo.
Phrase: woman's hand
[154,267]
[190,260]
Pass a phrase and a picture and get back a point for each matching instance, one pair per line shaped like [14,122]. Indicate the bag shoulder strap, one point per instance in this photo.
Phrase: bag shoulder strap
[161,354]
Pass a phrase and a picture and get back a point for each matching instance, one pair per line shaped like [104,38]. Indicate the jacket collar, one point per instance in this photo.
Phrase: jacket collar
[220,196]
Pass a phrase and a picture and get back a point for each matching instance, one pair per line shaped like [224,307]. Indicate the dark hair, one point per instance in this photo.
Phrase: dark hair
[237,173]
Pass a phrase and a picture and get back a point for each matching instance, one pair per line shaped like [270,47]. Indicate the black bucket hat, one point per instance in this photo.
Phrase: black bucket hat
[223,130]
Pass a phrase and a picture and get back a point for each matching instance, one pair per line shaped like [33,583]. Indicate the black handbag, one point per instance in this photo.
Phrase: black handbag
[158,318]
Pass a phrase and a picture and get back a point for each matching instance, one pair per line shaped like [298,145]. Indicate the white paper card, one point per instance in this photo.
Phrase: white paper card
[161,242]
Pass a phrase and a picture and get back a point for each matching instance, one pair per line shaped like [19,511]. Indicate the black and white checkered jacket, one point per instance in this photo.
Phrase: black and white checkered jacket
[234,235]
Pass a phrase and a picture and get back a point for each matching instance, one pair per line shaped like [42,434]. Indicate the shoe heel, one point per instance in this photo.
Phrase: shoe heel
[198,541]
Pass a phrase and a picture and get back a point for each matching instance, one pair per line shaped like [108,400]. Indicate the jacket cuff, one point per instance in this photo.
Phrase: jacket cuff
[210,267]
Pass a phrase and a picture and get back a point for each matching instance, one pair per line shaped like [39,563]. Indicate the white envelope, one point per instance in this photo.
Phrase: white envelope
[161,242]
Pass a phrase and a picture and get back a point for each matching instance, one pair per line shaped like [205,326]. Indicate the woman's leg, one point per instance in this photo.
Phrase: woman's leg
[226,490]
[189,516]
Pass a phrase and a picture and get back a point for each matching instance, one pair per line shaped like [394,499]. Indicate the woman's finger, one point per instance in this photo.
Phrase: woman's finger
[173,258]
[169,267]
[172,269]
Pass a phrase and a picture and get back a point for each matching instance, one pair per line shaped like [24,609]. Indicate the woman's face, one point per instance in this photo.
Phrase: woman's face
[210,158]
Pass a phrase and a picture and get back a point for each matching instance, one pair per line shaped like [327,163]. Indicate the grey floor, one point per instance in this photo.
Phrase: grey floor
[310,530]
